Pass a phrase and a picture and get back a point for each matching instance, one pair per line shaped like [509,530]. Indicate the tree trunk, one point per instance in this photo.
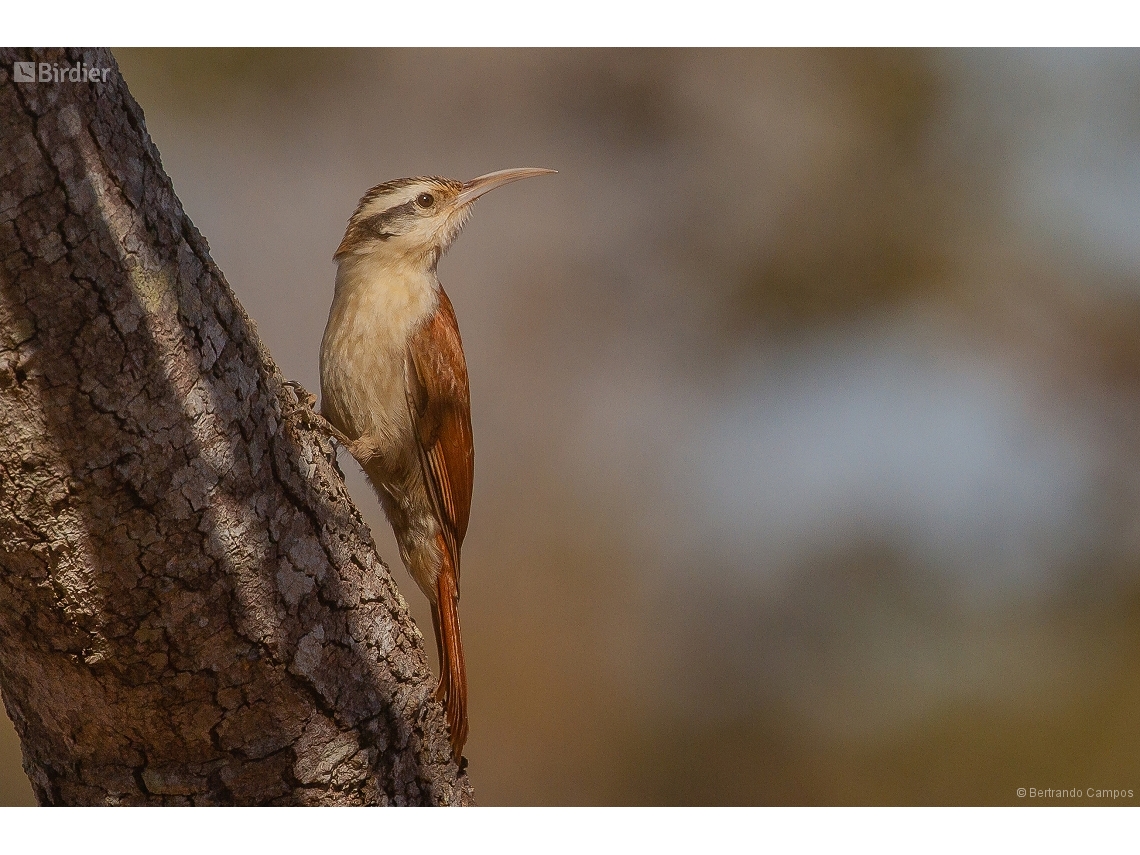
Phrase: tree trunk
[191,609]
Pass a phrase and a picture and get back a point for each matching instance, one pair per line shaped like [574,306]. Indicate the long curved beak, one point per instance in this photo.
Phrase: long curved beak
[476,187]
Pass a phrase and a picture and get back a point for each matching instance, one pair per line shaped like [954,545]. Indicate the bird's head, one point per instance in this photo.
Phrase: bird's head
[414,220]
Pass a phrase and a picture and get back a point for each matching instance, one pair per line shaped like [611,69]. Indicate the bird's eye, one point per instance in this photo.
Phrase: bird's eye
[425,200]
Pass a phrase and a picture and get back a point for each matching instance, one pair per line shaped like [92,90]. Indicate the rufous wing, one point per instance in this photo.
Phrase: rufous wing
[435,378]
[440,403]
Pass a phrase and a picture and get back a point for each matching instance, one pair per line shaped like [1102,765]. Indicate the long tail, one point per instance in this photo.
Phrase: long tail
[452,688]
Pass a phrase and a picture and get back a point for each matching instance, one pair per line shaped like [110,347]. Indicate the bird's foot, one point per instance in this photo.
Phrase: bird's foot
[305,416]
[305,398]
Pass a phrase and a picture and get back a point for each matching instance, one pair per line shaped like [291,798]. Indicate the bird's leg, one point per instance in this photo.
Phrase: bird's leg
[304,414]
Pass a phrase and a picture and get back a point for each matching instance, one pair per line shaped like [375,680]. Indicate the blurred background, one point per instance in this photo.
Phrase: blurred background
[806,398]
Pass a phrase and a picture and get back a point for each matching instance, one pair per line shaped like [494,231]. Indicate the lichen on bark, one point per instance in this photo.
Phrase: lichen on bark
[191,609]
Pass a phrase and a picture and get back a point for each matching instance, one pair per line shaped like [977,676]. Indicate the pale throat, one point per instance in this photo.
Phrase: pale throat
[390,295]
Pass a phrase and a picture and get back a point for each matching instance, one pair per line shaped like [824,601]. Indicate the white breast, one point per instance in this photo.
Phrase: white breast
[375,310]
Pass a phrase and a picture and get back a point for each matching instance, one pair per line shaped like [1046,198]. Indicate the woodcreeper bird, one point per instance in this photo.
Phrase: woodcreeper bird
[394,389]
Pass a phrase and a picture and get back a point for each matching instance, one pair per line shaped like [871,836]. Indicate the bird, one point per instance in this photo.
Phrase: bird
[395,392]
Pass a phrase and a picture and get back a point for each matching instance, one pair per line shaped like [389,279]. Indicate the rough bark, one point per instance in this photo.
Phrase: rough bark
[191,610]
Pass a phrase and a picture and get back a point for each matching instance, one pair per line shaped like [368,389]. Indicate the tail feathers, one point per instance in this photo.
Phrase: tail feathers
[452,688]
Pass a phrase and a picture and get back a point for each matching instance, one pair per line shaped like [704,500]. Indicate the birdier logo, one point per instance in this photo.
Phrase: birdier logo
[53,72]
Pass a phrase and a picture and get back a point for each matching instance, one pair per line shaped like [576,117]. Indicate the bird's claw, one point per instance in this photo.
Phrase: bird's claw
[301,412]
[305,398]
[304,415]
